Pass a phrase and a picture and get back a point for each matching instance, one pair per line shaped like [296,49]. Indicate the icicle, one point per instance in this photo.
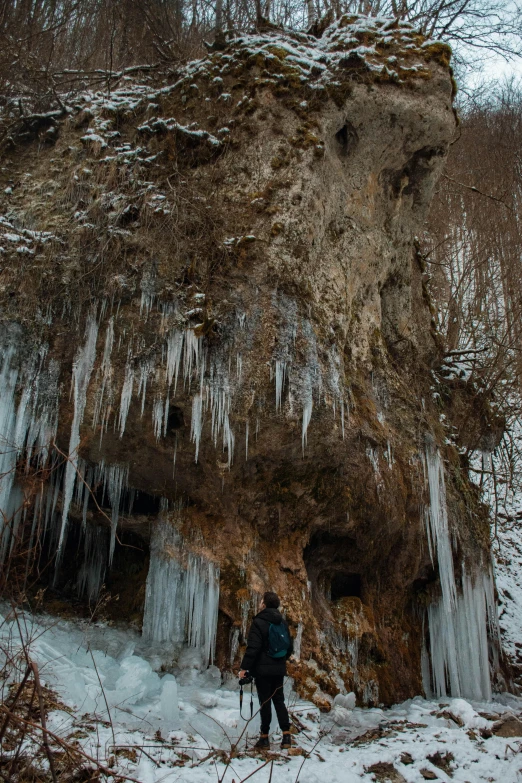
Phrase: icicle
[246,441]
[80,482]
[157,417]
[389,455]
[56,495]
[166,415]
[11,517]
[174,352]
[197,422]
[280,374]
[307,415]
[115,483]
[201,603]
[82,369]
[192,355]
[106,374]
[8,378]
[43,422]
[126,397]
[118,477]
[145,369]
[228,440]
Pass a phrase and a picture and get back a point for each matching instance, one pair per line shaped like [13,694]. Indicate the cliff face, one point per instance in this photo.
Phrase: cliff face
[225,260]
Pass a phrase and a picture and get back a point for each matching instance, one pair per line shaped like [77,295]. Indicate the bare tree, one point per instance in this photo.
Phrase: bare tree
[474,254]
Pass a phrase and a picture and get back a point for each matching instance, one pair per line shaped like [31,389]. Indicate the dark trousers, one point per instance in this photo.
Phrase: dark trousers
[270,691]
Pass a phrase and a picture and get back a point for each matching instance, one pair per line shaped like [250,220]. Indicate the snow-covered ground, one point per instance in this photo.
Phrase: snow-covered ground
[154,727]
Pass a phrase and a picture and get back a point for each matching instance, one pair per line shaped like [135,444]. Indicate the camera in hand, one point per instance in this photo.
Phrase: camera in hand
[246,680]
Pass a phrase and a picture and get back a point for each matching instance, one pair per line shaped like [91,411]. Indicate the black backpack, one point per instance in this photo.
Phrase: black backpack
[278,640]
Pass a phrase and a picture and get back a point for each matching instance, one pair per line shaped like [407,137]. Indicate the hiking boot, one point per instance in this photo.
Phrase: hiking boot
[287,740]
[263,742]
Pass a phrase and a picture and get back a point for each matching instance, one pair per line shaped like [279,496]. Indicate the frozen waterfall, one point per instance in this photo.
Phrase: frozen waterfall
[459,622]
[182,594]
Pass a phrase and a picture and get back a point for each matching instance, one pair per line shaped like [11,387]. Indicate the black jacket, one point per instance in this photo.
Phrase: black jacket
[256,659]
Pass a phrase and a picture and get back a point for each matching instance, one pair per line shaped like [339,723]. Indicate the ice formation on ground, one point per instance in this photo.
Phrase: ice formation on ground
[174,723]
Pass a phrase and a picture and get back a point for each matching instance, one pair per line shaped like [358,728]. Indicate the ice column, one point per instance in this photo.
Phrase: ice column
[182,594]
[201,604]
[459,641]
[163,619]
[458,623]
[439,541]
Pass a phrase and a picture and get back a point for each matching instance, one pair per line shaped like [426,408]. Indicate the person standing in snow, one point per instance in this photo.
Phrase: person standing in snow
[269,645]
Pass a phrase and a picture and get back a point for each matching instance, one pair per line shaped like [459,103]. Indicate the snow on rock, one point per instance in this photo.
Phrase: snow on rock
[470,718]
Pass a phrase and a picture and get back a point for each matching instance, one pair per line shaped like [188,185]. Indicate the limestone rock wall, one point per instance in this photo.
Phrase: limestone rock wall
[223,262]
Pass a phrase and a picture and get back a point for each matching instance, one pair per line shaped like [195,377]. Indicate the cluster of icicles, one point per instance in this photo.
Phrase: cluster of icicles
[463,625]
[463,630]
[30,427]
[29,413]
[183,592]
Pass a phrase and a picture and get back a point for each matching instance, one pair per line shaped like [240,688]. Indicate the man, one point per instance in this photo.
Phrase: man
[269,645]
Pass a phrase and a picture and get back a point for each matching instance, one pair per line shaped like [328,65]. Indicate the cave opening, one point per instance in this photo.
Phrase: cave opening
[333,563]
[175,419]
[144,504]
[347,138]
[345,585]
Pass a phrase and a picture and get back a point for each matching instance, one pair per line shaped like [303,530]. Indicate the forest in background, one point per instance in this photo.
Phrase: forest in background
[52,50]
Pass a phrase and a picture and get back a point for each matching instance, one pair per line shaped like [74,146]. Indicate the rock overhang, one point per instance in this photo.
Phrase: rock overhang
[310,163]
